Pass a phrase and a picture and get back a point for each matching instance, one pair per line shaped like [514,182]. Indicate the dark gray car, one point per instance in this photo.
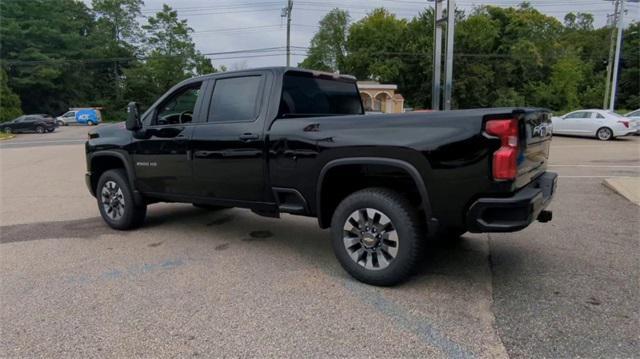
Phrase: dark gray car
[30,123]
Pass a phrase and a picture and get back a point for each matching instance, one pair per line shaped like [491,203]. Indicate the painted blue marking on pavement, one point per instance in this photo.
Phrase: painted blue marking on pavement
[425,330]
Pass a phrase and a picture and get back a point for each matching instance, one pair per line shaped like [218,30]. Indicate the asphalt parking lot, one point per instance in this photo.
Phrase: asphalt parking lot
[231,283]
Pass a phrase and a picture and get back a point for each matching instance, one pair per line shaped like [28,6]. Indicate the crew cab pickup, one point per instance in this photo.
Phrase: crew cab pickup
[287,140]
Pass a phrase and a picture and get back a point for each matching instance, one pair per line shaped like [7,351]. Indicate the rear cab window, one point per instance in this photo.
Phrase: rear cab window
[304,94]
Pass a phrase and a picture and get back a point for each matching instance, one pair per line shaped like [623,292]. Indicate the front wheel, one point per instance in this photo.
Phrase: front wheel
[377,236]
[115,201]
[7,130]
[40,129]
[604,134]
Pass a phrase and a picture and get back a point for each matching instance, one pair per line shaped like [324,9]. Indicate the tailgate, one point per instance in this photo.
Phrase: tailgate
[535,139]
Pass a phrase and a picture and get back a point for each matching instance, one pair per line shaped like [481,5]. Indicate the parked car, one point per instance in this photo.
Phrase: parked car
[285,140]
[634,117]
[85,116]
[602,124]
[29,123]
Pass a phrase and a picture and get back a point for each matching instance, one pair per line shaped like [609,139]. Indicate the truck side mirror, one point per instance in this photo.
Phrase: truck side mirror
[133,117]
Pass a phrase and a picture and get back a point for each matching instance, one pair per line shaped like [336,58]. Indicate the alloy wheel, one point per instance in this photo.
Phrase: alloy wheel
[112,200]
[370,238]
[604,134]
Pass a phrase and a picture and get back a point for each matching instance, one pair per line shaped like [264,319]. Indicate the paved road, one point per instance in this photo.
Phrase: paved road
[67,135]
[192,282]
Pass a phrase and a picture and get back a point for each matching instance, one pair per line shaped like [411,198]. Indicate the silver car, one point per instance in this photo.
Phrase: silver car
[634,117]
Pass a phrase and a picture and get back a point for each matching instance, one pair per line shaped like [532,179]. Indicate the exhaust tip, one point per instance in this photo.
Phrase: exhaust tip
[545,216]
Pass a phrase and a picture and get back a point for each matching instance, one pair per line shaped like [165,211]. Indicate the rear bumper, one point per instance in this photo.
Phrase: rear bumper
[513,213]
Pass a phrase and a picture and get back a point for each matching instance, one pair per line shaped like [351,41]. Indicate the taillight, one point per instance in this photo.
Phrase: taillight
[625,123]
[505,165]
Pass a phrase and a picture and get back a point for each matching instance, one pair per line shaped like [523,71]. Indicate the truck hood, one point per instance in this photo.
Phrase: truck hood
[111,130]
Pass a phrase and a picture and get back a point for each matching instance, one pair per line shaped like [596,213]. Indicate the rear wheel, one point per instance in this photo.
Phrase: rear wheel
[90,123]
[115,201]
[604,134]
[377,236]
[51,130]
[40,129]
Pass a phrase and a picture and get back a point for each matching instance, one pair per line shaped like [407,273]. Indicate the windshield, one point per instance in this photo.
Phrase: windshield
[306,95]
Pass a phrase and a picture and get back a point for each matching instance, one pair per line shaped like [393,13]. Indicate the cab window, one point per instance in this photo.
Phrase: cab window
[69,114]
[580,114]
[235,99]
[179,107]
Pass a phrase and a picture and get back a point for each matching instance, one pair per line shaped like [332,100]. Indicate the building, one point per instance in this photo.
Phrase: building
[377,97]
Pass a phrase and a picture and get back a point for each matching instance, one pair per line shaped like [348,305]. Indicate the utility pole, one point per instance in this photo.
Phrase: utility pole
[438,23]
[607,81]
[448,65]
[616,61]
[286,12]
[437,55]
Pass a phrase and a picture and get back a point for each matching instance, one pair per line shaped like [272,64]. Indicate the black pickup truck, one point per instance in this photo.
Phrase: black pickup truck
[287,140]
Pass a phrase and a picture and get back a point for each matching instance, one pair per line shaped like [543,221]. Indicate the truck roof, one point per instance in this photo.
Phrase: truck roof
[280,70]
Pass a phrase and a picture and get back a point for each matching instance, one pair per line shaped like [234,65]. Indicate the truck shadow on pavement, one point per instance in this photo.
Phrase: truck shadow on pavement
[241,228]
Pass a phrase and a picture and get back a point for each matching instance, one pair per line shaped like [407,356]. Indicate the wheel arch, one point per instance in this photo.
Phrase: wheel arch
[613,133]
[105,160]
[324,214]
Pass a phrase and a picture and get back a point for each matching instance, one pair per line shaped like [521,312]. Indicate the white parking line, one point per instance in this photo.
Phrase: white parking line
[39,142]
[598,166]
[563,176]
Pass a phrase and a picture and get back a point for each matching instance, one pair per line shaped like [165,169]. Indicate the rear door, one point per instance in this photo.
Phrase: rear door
[161,158]
[229,146]
[577,123]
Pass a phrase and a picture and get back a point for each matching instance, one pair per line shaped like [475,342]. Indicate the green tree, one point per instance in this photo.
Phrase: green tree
[373,44]
[629,85]
[328,45]
[9,101]
[170,56]
[117,29]
[44,45]
[579,21]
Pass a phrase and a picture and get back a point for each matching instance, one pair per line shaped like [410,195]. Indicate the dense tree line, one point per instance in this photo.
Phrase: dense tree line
[60,53]
[56,54]
[503,57]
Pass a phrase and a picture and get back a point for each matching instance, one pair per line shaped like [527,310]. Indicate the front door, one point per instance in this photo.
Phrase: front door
[228,147]
[161,159]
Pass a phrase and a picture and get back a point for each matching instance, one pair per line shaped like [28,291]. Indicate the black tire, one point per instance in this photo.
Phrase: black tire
[40,129]
[405,222]
[51,130]
[90,123]
[604,134]
[7,130]
[209,207]
[131,215]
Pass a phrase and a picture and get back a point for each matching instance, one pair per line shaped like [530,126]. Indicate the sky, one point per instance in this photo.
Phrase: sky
[222,28]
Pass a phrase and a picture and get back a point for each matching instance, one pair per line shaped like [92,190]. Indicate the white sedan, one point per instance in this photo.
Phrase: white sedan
[602,124]
[634,116]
